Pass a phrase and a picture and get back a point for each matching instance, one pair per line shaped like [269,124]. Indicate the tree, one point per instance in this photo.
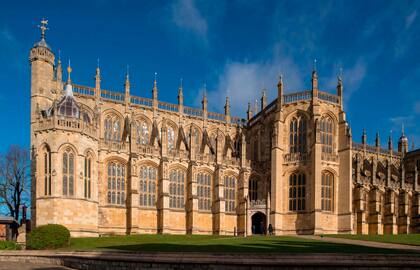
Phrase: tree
[14,180]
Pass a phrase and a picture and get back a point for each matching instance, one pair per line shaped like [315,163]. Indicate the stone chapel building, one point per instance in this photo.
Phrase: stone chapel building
[105,162]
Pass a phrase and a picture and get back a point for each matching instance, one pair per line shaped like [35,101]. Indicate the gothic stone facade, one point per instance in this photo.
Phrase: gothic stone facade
[106,162]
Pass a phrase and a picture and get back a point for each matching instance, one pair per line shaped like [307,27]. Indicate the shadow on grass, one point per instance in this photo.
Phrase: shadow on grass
[269,246]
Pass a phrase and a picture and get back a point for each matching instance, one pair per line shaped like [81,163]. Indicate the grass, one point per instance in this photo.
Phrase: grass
[408,239]
[204,243]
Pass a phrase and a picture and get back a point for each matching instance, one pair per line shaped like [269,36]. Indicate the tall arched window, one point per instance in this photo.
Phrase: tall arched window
[326,129]
[171,138]
[47,171]
[148,186]
[255,190]
[204,191]
[87,176]
[297,136]
[142,133]
[116,183]
[230,194]
[327,184]
[68,172]
[297,192]
[112,127]
[177,189]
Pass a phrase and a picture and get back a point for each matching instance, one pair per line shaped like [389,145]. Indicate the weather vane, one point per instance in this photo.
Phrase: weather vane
[43,27]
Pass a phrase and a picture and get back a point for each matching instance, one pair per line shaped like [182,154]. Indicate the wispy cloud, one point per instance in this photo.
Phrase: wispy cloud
[186,15]
[410,19]
[11,48]
[243,81]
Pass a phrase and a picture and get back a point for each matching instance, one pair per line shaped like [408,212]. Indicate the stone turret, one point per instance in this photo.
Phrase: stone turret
[403,143]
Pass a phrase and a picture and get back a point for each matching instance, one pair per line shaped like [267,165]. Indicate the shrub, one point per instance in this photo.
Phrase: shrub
[49,236]
[8,245]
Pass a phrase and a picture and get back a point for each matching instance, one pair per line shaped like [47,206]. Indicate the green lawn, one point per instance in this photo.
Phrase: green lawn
[408,239]
[202,243]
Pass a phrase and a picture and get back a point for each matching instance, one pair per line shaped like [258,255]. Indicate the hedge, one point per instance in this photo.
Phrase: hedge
[49,236]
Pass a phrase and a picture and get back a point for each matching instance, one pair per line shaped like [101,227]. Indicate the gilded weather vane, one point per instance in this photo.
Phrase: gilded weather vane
[43,27]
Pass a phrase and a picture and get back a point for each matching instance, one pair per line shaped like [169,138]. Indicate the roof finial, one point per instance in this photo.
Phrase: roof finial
[402,128]
[314,66]
[205,90]
[180,83]
[43,28]
[69,70]
[127,75]
[59,56]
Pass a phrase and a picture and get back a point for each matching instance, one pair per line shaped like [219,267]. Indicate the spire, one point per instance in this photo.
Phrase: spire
[263,99]
[69,70]
[249,111]
[155,89]
[59,72]
[256,106]
[377,140]
[98,80]
[364,137]
[204,101]
[227,106]
[69,89]
[390,141]
[403,141]
[280,87]
[180,93]
[127,81]
[340,86]
[314,76]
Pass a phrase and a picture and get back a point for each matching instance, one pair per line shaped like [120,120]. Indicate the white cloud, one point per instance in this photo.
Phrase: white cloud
[410,19]
[186,15]
[243,82]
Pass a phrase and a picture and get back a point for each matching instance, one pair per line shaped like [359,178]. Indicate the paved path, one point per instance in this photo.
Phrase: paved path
[29,266]
[362,243]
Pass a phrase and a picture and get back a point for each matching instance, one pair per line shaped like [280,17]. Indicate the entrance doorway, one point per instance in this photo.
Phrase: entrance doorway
[258,223]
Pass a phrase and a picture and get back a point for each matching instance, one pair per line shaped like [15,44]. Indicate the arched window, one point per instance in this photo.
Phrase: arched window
[87,176]
[47,171]
[177,189]
[255,190]
[326,128]
[237,146]
[327,184]
[171,138]
[142,133]
[230,194]
[112,128]
[297,136]
[297,192]
[204,191]
[148,186]
[68,172]
[116,183]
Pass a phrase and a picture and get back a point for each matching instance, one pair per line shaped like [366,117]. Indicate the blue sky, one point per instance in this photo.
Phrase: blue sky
[234,47]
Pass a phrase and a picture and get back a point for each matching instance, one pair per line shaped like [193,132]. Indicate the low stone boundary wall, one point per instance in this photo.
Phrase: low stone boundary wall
[159,260]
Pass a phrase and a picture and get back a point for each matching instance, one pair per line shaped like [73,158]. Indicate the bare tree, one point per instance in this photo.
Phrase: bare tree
[14,180]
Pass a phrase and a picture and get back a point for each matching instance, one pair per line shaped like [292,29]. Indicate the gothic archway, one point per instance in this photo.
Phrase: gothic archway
[259,224]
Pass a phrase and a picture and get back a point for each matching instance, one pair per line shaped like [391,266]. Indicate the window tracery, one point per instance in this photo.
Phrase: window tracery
[326,131]
[230,194]
[148,186]
[112,127]
[47,171]
[87,177]
[68,172]
[297,135]
[327,184]
[142,133]
[177,189]
[297,192]
[171,138]
[116,183]
[204,184]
